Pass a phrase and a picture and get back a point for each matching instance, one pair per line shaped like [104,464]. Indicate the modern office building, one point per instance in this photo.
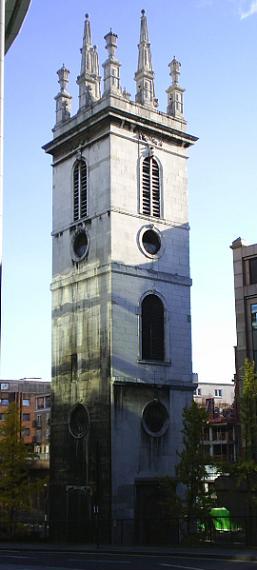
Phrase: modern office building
[245,284]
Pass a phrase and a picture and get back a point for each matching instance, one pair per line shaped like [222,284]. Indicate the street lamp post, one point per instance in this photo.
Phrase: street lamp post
[12,14]
[2,51]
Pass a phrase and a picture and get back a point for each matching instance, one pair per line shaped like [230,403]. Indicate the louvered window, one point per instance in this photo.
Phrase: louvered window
[151,188]
[80,190]
[152,315]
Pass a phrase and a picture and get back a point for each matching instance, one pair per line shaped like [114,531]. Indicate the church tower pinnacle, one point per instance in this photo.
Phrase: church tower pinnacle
[63,99]
[144,75]
[89,79]
[175,93]
[111,66]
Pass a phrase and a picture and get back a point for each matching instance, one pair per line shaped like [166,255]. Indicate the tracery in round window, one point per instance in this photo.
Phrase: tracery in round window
[80,244]
[155,418]
[151,241]
[79,421]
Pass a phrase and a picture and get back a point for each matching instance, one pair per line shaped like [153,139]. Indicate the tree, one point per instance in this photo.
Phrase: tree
[15,462]
[240,493]
[248,412]
[191,471]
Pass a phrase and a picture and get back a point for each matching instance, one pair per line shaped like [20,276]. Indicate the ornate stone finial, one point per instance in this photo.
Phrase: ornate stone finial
[63,99]
[126,94]
[63,78]
[143,28]
[144,75]
[175,66]
[111,43]
[111,66]
[175,106]
[87,31]
[89,79]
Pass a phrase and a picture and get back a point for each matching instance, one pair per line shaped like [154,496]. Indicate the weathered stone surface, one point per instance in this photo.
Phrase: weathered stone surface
[96,310]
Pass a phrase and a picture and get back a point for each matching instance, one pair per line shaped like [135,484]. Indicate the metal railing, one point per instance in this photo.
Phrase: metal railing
[168,531]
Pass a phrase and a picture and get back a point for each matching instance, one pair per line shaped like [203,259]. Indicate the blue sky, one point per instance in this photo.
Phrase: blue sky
[216,42]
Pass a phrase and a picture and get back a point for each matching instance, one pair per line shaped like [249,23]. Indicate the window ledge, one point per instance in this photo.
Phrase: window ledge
[155,362]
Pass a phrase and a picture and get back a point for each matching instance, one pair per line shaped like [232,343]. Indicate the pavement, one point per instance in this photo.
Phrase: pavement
[211,551]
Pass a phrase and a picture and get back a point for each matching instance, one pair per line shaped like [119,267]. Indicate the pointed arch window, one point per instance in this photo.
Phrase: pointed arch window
[79,190]
[150,196]
[152,328]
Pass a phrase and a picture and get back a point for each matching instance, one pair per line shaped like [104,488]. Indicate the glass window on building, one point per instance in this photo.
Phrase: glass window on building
[40,403]
[48,402]
[218,393]
[25,417]
[254,331]
[4,402]
[25,432]
[253,270]
[26,402]
[206,434]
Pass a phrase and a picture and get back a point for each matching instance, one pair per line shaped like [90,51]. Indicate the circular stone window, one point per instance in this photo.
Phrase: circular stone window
[79,421]
[150,242]
[155,418]
[79,245]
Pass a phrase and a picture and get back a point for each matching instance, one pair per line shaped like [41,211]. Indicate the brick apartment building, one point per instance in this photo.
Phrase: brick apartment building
[221,433]
[32,397]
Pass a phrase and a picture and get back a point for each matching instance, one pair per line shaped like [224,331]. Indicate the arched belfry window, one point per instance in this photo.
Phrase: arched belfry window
[152,328]
[79,190]
[150,192]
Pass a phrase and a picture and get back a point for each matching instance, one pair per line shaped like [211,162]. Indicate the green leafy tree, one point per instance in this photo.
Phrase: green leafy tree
[191,470]
[243,473]
[245,468]
[15,462]
[171,502]
[248,412]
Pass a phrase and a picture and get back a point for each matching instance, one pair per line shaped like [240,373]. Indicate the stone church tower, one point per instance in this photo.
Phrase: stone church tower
[121,328]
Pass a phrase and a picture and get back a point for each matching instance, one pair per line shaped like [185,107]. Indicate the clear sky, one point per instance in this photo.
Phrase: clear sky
[216,42]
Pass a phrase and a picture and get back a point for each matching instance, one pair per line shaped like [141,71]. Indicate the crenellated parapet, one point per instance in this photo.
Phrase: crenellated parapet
[89,80]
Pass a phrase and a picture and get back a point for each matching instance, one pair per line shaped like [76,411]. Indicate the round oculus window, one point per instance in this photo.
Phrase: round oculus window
[155,418]
[151,241]
[80,244]
[79,421]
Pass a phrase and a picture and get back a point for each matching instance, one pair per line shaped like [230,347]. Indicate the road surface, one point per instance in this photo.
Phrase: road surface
[45,560]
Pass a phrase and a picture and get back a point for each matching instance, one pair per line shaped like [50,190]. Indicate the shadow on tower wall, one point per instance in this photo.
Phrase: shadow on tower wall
[112,472]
